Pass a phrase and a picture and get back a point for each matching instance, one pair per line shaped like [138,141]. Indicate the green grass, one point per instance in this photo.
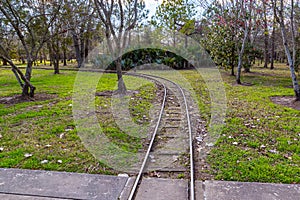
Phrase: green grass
[46,129]
[260,141]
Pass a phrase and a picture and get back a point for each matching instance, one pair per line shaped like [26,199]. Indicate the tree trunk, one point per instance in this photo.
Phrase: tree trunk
[266,51]
[232,70]
[121,85]
[266,36]
[241,53]
[17,77]
[65,57]
[82,41]
[291,63]
[87,40]
[56,62]
[77,50]
[45,57]
[86,48]
[41,58]
[5,63]
[280,19]
[273,46]
[56,50]
[56,67]
[28,89]
[232,55]
[29,69]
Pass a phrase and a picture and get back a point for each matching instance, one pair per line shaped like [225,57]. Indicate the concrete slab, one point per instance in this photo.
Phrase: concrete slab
[16,184]
[222,190]
[127,189]
[60,184]
[199,192]
[162,189]
[19,197]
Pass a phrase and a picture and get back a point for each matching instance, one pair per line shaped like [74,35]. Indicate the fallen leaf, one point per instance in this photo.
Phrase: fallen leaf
[123,175]
[27,155]
[199,139]
[44,161]
[272,151]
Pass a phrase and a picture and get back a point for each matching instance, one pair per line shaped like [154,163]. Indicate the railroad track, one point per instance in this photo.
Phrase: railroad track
[172,136]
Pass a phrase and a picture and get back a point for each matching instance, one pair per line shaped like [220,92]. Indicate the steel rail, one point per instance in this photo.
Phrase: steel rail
[137,180]
[192,179]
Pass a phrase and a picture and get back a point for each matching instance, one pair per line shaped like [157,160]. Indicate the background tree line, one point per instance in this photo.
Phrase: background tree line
[236,33]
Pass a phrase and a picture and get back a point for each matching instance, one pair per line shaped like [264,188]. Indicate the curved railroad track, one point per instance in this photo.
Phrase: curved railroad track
[174,115]
[173,126]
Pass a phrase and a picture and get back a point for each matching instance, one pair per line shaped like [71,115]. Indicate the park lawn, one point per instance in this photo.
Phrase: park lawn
[260,141]
[42,134]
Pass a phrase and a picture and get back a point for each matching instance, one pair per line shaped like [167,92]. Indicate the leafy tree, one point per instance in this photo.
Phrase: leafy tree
[175,15]
[218,37]
[27,20]
[229,31]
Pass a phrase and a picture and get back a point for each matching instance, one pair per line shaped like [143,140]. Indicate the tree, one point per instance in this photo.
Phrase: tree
[175,15]
[280,18]
[266,33]
[219,35]
[245,12]
[119,17]
[79,17]
[273,43]
[27,20]
[230,29]
[7,40]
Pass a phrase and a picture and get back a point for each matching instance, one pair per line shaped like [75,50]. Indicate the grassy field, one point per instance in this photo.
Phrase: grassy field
[42,134]
[260,141]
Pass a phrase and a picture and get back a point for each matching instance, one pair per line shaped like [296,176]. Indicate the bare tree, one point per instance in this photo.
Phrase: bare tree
[245,12]
[80,18]
[280,18]
[119,17]
[273,44]
[266,34]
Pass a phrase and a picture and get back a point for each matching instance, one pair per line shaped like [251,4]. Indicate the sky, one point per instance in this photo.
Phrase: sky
[151,5]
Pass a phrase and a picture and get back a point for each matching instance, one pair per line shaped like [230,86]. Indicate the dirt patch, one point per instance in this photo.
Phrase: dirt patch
[243,84]
[4,84]
[263,74]
[110,93]
[12,100]
[288,101]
